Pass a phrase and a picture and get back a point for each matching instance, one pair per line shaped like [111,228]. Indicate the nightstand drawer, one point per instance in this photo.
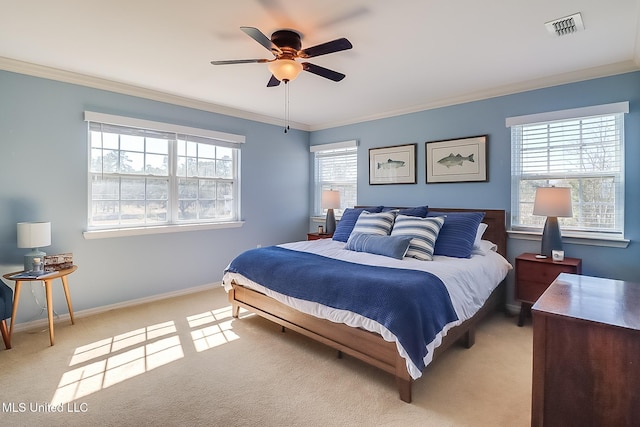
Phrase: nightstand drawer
[527,271]
[528,291]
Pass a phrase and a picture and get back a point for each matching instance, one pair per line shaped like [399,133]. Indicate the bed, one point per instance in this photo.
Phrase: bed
[375,342]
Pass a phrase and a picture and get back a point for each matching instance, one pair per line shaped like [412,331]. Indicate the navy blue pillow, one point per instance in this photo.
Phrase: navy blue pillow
[458,233]
[391,246]
[419,211]
[348,221]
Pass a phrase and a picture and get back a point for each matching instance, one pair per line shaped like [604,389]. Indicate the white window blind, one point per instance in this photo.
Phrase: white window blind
[336,168]
[583,150]
[142,177]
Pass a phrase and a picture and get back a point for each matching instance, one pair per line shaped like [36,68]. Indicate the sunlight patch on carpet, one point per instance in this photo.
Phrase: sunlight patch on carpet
[122,341]
[121,357]
[217,332]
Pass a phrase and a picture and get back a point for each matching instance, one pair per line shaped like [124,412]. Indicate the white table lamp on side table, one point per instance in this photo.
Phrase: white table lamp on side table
[33,235]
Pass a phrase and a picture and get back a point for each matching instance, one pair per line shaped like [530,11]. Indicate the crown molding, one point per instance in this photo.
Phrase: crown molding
[555,80]
[127,89]
[56,74]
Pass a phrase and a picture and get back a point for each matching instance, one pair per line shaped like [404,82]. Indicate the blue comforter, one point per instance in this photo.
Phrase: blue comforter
[413,305]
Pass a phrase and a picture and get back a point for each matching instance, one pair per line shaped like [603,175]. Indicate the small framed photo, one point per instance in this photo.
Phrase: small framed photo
[457,160]
[393,165]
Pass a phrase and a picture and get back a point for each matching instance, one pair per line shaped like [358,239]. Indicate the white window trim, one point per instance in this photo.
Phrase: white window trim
[90,116]
[161,229]
[593,239]
[596,110]
[325,147]
[571,237]
[222,139]
[333,146]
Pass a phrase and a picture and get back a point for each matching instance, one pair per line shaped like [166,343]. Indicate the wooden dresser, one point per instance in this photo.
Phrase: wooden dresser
[586,353]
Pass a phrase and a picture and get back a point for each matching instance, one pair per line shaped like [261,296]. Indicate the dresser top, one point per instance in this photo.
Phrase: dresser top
[612,302]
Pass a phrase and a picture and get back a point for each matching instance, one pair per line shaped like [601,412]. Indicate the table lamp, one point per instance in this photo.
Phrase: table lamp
[33,235]
[330,201]
[552,202]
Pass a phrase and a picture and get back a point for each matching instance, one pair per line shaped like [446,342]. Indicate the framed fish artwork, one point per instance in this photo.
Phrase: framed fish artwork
[393,165]
[457,160]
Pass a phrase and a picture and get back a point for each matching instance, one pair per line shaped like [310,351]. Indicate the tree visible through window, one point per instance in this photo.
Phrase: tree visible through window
[145,177]
[205,181]
[584,153]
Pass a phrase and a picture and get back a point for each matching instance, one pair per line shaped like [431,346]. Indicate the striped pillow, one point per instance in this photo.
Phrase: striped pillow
[375,223]
[424,232]
[348,221]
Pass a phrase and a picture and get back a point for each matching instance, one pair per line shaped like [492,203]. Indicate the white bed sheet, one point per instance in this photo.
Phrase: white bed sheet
[469,282]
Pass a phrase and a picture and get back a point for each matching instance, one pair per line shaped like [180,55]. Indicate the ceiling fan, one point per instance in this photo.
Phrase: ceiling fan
[286,46]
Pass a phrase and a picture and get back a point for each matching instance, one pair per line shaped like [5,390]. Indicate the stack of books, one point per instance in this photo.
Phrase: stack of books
[58,262]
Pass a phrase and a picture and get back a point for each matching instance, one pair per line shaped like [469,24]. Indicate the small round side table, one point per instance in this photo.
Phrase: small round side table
[47,279]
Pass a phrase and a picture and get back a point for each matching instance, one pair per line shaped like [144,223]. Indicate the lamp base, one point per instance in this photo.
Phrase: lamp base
[28,258]
[551,238]
[330,223]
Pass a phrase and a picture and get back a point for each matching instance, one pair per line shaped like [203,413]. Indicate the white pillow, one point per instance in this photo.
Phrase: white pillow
[482,227]
[484,248]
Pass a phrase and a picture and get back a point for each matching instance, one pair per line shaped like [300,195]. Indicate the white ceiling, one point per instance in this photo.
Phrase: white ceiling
[408,55]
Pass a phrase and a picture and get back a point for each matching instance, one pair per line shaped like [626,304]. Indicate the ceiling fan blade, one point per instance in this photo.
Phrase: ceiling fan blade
[323,72]
[239,61]
[273,81]
[325,48]
[258,36]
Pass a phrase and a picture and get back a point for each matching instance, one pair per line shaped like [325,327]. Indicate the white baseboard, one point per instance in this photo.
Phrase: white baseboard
[513,308]
[39,323]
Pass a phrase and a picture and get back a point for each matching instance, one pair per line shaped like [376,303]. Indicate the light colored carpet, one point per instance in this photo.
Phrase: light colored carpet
[185,361]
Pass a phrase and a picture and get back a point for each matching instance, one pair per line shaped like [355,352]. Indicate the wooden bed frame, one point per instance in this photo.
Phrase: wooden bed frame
[367,346]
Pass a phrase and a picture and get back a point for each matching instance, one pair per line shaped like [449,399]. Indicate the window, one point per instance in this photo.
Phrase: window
[148,174]
[336,168]
[582,149]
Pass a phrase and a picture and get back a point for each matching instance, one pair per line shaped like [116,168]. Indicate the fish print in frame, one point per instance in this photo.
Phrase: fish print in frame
[393,165]
[457,160]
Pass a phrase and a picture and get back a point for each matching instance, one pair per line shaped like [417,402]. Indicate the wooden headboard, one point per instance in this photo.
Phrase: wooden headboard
[494,218]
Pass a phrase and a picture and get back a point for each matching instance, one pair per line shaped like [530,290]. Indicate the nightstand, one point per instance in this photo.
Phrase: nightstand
[318,236]
[534,275]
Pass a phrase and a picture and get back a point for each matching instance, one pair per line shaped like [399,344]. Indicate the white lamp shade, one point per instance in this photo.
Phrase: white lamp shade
[553,201]
[330,199]
[285,69]
[34,234]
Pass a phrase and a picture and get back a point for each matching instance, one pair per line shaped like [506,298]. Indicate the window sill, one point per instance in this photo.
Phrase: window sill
[322,219]
[574,239]
[161,229]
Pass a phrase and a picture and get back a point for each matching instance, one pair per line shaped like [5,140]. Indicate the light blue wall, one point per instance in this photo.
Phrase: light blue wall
[43,158]
[487,117]
[43,177]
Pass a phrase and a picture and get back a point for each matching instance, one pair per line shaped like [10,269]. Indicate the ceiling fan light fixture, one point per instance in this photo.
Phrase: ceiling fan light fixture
[285,69]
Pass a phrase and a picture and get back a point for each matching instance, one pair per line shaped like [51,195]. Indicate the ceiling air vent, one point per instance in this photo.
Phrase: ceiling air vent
[567,25]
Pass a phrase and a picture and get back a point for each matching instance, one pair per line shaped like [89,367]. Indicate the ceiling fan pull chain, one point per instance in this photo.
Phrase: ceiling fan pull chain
[286,106]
